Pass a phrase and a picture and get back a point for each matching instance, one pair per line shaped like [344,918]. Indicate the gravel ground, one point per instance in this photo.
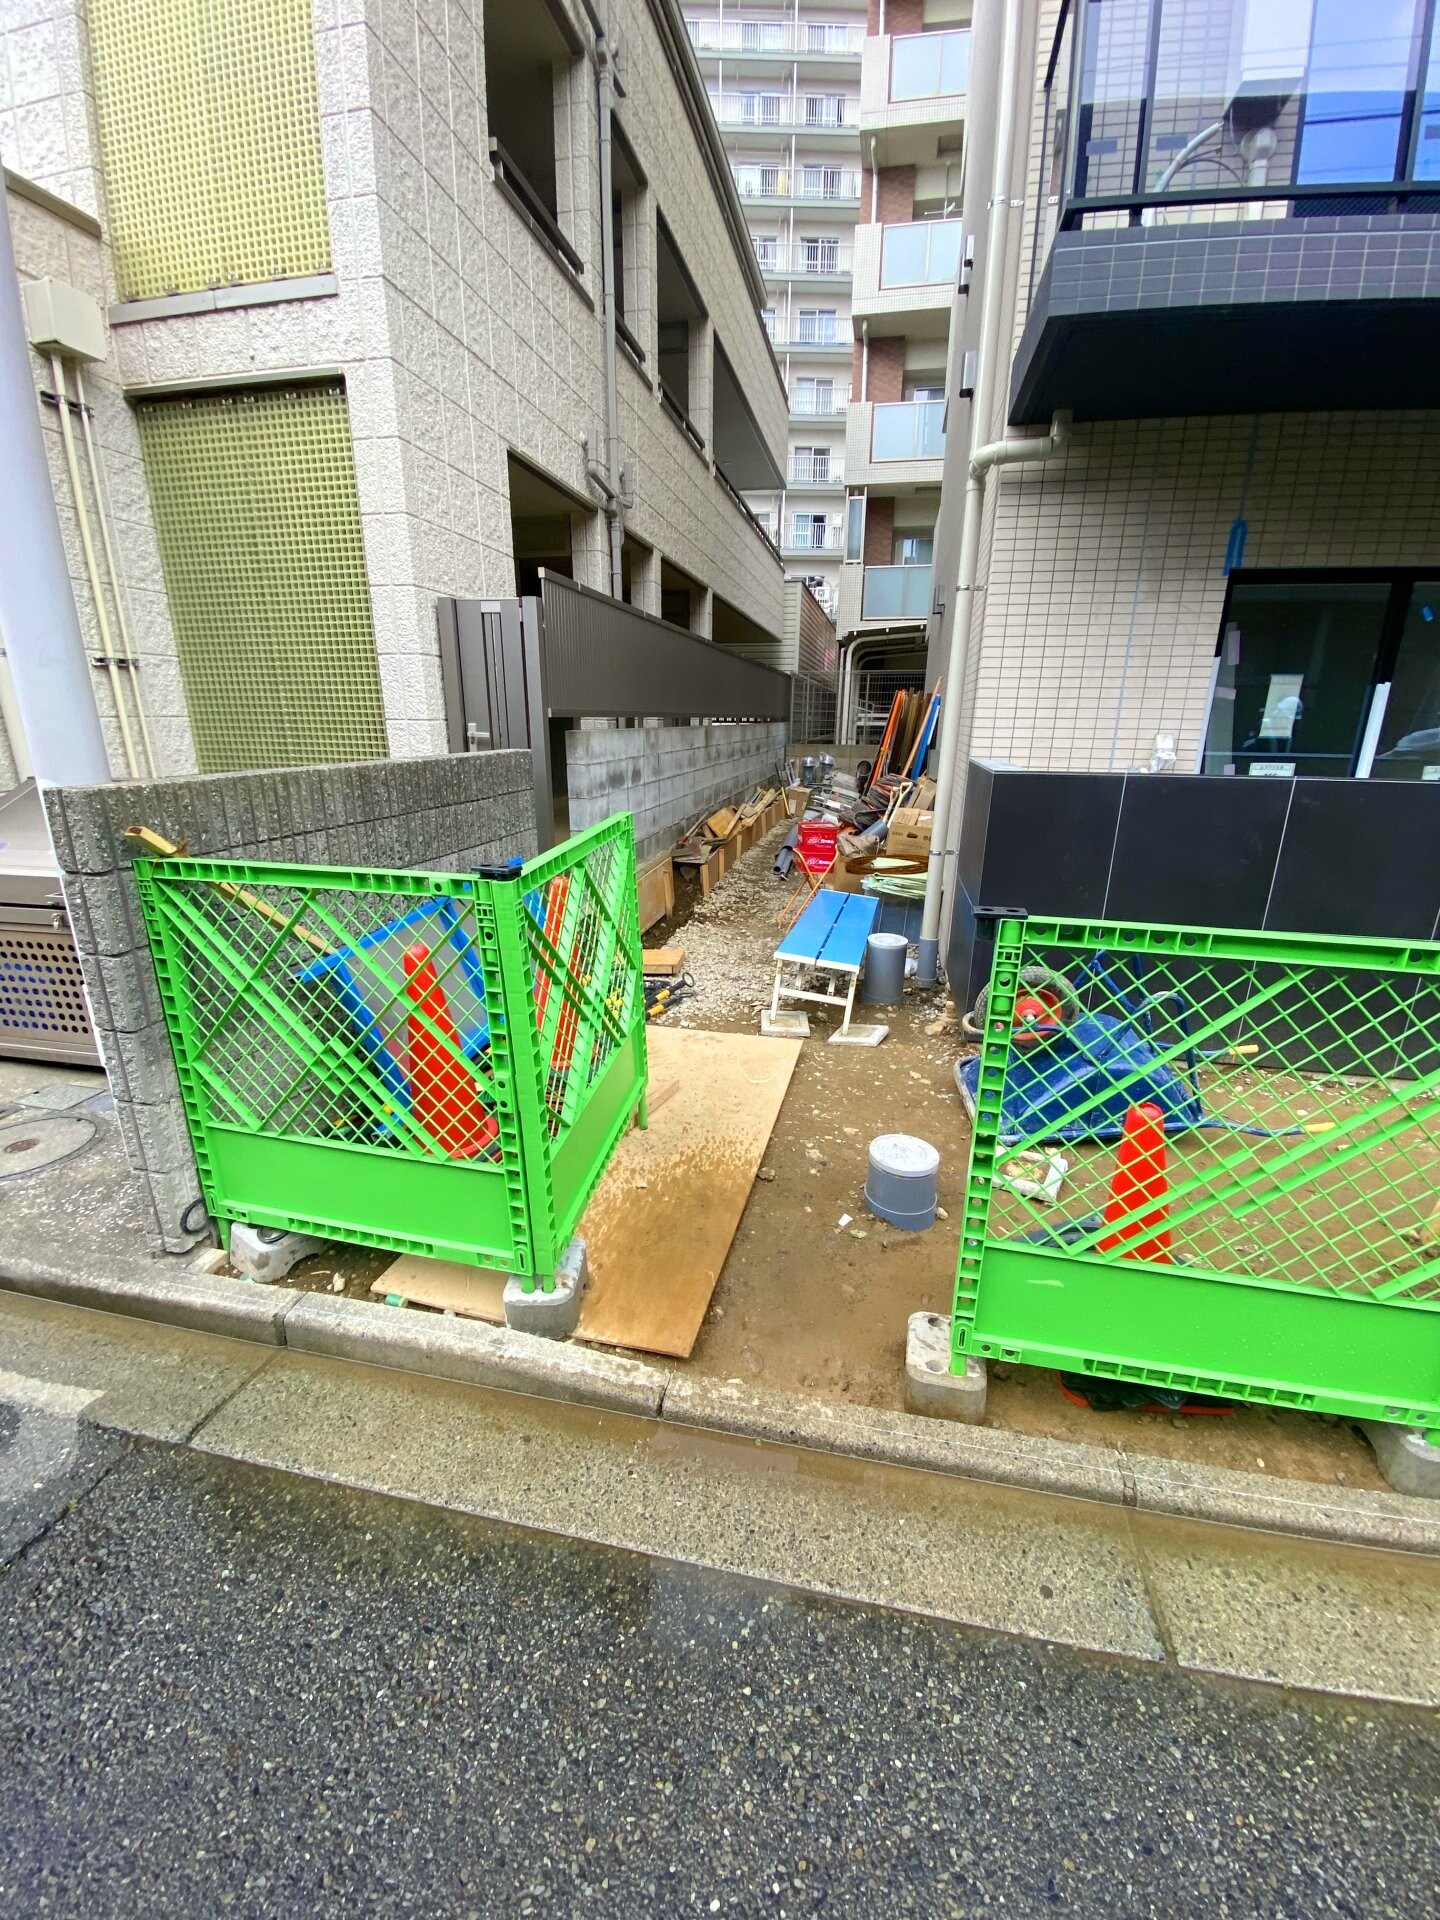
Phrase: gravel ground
[230,1691]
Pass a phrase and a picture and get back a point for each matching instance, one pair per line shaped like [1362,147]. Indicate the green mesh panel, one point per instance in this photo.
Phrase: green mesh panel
[210,137]
[259,526]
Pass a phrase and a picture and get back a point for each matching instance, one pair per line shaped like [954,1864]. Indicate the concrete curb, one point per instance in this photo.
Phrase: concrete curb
[477,1354]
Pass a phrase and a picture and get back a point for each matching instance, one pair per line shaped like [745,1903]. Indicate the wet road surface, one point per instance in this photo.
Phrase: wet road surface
[228,1690]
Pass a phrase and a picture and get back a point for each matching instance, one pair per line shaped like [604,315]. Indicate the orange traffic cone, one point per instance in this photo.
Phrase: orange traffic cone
[443,1096]
[1139,1179]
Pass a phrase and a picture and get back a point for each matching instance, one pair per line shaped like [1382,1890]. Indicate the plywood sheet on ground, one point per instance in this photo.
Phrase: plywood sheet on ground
[447,1285]
[663,1217]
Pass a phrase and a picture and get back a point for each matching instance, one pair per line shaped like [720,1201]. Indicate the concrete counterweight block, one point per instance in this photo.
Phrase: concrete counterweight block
[268,1253]
[930,1386]
[1406,1458]
[556,1314]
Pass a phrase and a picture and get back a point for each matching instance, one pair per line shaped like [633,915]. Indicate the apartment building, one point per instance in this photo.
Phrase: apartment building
[907,265]
[352,267]
[1224,262]
[784,82]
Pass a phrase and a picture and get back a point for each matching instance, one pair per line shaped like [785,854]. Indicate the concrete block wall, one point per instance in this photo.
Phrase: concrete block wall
[448,814]
[665,776]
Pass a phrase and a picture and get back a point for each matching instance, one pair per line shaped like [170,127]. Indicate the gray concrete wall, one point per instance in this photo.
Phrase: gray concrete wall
[450,814]
[665,776]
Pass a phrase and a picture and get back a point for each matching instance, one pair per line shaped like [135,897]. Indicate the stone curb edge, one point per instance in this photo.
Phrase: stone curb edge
[477,1354]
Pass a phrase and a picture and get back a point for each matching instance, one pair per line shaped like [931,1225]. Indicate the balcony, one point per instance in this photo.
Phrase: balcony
[820,188]
[905,277]
[897,593]
[814,472]
[828,342]
[818,117]
[823,403]
[822,261]
[790,40]
[803,538]
[895,446]
[912,93]
[1292,194]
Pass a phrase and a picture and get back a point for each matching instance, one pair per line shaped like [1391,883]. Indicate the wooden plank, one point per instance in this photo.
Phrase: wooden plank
[660,1225]
[662,960]
[446,1285]
[721,823]
[655,887]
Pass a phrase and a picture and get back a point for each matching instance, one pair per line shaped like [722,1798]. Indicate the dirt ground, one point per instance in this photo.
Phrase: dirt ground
[812,1301]
[806,1304]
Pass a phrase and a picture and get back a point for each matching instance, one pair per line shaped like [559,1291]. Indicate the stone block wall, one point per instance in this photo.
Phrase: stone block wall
[448,814]
[665,776]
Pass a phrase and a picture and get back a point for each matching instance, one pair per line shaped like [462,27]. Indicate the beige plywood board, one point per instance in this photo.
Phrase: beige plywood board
[660,1225]
[447,1285]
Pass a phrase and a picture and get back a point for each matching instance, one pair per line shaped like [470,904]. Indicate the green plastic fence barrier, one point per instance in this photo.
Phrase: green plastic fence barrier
[429,1063]
[1290,1253]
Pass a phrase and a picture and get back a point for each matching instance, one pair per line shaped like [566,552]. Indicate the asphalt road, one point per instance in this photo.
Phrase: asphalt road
[229,1691]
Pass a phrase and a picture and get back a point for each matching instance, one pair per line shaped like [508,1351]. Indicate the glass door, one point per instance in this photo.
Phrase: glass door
[1407,743]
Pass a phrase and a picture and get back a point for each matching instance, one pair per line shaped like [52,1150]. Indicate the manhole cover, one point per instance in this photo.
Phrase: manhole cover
[41,1140]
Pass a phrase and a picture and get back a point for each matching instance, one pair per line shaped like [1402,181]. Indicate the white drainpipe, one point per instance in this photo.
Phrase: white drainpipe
[982,459]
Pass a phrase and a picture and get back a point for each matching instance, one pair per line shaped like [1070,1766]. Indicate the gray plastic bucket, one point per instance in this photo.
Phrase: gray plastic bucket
[901,1183]
[883,981]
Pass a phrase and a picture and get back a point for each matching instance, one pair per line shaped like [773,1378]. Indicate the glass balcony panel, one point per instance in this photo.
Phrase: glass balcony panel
[896,593]
[908,430]
[920,253]
[928,66]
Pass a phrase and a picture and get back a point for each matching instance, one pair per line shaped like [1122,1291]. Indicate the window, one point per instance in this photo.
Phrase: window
[679,315]
[808,530]
[814,395]
[820,254]
[826,110]
[1331,674]
[810,465]
[760,109]
[767,320]
[914,549]
[821,183]
[627,184]
[527,62]
[258,523]
[855,527]
[818,327]
[767,250]
[210,136]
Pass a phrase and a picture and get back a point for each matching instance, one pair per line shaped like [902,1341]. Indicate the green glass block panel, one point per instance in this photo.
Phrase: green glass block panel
[210,140]
[258,519]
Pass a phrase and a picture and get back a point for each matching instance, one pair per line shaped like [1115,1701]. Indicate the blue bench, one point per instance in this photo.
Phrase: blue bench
[828,938]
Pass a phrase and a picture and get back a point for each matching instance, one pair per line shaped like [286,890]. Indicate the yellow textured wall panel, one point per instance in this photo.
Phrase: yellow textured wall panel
[259,527]
[210,142]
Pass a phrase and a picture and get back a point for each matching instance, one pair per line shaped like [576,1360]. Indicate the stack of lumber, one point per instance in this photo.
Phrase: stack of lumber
[715,843]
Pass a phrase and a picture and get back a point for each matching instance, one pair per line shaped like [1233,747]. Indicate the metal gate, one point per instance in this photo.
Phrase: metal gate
[508,666]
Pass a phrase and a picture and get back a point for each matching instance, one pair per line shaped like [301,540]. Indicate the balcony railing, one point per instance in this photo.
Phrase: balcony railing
[1343,117]
[920,253]
[812,472]
[908,430]
[815,113]
[929,66]
[826,403]
[818,259]
[797,183]
[812,539]
[775,37]
[897,593]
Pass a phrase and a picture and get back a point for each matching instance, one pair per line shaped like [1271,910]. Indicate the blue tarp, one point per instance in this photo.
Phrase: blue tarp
[1095,1055]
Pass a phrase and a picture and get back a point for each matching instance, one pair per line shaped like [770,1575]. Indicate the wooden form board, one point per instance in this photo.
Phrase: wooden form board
[660,1225]
[655,887]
